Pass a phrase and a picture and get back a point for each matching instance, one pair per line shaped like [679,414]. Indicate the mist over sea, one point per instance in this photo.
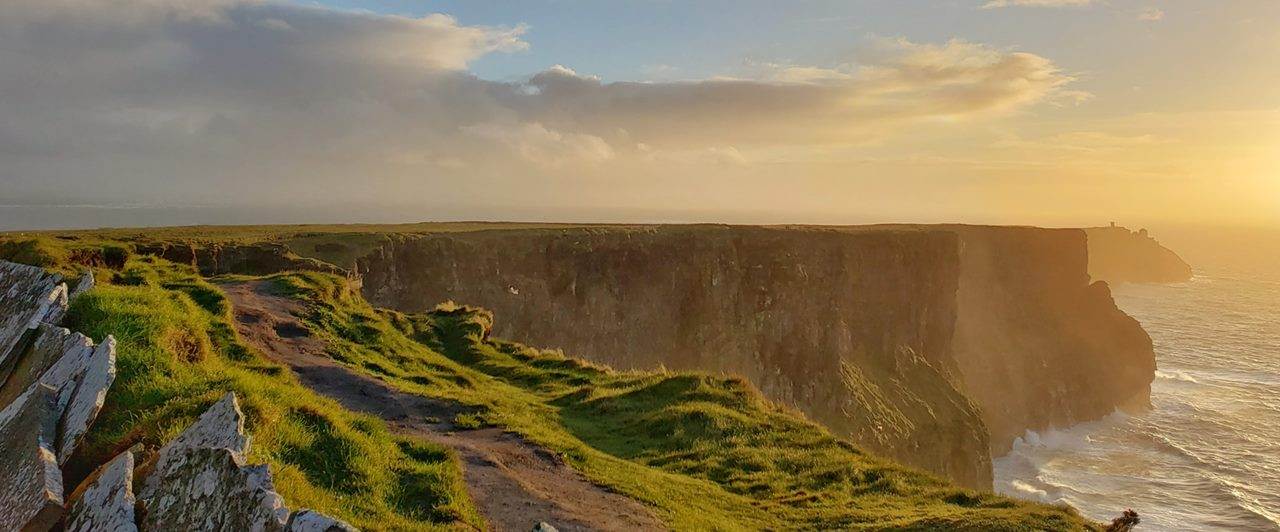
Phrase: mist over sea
[1207,456]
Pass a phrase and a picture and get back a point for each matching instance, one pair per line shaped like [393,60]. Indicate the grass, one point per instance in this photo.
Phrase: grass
[177,353]
[704,452]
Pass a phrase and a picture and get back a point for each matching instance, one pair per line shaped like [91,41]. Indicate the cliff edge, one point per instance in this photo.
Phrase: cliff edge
[1117,254]
[933,345]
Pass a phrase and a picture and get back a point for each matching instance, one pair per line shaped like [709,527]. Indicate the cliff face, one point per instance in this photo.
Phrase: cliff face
[250,259]
[1037,344]
[852,330]
[918,342]
[1117,254]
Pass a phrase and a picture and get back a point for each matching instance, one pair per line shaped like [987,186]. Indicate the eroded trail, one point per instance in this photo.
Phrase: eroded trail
[514,484]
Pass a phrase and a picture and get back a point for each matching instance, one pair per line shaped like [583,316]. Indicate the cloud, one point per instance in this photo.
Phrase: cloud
[535,143]
[896,82]
[994,4]
[205,100]
[1151,14]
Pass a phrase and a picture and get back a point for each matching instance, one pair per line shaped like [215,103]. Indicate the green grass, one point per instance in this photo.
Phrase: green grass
[704,452]
[177,353]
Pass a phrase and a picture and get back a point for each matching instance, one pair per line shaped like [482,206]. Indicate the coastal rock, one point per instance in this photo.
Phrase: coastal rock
[51,344]
[309,521]
[80,372]
[212,489]
[28,297]
[219,427]
[105,500]
[199,481]
[32,495]
[1117,255]
[90,394]
[85,284]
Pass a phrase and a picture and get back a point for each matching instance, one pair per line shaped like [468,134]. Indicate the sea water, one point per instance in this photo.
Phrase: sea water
[1207,455]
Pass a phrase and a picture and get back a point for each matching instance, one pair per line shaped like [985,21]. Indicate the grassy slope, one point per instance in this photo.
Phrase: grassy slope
[178,353]
[705,452]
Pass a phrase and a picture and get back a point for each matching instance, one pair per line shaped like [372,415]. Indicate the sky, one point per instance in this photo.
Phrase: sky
[1040,112]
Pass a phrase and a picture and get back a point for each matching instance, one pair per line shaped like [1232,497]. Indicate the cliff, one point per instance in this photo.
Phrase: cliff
[1117,254]
[1038,345]
[852,330]
[932,345]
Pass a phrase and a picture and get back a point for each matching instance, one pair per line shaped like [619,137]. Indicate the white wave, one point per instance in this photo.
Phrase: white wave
[1027,491]
[1181,376]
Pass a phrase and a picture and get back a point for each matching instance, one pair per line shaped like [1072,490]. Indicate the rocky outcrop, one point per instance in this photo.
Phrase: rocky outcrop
[105,500]
[28,297]
[32,494]
[55,383]
[199,481]
[934,345]
[1117,254]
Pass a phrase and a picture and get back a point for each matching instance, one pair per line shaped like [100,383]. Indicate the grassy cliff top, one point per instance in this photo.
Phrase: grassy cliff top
[703,452]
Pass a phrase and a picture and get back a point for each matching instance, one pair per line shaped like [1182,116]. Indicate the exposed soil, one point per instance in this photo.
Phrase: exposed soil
[513,483]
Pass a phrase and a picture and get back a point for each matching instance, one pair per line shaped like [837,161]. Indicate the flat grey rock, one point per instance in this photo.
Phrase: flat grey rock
[211,489]
[105,501]
[50,347]
[90,393]
[219,427]
[309,521]
[79,371]
[32,497]
[85,284]
[28,296]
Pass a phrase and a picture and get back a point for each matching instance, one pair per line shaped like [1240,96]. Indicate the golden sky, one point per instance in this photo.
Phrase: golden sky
[1051,112]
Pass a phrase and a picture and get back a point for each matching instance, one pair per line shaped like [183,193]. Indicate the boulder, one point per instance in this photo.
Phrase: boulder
[79,371]
[28,297]
[85,284]
[105,500]
[90,394]
[211,489]
[32,494]
[219,427]
[200,482]
[309,521]
[51,345]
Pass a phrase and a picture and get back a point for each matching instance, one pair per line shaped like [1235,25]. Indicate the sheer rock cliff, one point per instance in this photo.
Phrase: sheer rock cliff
[934,345]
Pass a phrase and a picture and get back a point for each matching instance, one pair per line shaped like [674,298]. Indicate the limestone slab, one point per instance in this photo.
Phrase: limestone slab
[211,489]
[219,427]
[28,297]
[105,501]
[90,393]
[51,345]
[85,284]
[32,498]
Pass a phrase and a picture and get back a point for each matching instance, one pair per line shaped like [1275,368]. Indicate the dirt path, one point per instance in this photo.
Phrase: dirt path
[514,484]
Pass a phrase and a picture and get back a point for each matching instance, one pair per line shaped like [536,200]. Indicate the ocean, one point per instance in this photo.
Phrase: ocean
[1207,455]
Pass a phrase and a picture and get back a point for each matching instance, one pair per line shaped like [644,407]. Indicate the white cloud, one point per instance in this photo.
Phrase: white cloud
[535,143]
[202,100]
[1151,14]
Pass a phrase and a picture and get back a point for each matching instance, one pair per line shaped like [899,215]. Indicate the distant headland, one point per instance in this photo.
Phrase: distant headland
[1117,254]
